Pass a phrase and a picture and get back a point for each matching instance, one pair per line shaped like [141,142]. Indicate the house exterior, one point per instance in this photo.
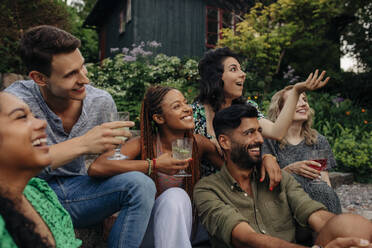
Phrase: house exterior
[185,28]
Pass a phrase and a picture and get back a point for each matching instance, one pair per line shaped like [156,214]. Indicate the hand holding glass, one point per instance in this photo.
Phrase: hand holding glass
[119,116]
[182,149]
[321,157]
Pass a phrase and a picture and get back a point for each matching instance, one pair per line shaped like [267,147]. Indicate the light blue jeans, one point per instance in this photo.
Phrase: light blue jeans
[90,200]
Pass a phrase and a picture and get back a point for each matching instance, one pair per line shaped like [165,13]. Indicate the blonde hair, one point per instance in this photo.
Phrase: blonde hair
[276,105]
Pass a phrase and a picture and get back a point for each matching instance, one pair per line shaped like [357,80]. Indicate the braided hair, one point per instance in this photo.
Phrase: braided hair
[151,105]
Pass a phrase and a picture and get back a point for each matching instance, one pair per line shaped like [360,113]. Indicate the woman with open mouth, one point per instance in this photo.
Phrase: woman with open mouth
[30,213]
[221,85]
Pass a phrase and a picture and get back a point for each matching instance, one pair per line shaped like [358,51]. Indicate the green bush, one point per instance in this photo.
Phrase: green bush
[127,77]
[353,152]
[347,128]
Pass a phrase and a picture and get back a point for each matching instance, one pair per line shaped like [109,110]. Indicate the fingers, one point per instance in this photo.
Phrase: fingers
[112,141]
[304,170]
[324,82]
[316,82]
[263,173]
[117,124]
[120,132]
[308,172]
[309,77]
[348,242]
[275,180]
[180,164]
[315,74]
[313,163]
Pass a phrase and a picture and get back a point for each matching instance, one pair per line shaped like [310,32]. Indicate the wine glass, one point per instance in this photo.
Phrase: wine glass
[320,156]
[119,116]
[182,149]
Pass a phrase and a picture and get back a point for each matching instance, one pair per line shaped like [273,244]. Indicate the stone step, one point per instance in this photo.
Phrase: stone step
[92,237]
[339,178]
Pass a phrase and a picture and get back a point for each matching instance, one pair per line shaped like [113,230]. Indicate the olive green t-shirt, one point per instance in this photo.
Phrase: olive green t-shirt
[46,203]
[222,204]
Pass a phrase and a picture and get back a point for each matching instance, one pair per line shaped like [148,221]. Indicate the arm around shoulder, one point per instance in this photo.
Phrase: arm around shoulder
[209,150]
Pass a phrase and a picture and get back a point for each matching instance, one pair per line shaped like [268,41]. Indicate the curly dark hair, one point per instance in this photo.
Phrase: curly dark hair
[20,227]
[211,84]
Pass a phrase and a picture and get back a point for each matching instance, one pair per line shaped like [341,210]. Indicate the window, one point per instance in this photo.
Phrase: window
[216,19]
[125,15]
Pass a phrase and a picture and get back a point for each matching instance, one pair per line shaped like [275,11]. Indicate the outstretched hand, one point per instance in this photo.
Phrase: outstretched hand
[313,82]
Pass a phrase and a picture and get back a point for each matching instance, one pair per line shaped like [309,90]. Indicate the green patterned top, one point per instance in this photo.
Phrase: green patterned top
[46,203]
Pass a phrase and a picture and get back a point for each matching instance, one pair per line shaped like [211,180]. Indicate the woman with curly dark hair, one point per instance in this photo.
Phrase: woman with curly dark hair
[221,85]
[30,213]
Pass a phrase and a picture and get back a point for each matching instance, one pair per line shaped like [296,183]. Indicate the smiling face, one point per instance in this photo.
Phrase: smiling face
[246,142]
[177,113]
[302,108]
[22,136]
[233,78]
[68,77]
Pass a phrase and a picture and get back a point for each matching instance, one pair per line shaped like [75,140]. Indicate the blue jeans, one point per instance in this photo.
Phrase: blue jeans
[90,200]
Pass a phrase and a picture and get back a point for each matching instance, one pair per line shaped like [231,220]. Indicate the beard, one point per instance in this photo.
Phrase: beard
[240,155]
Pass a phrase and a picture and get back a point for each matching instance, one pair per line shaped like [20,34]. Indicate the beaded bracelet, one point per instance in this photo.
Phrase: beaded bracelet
[153,163]
[150,165]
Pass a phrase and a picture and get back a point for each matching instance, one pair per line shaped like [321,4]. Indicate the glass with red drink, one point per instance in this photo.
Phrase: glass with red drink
[321,157]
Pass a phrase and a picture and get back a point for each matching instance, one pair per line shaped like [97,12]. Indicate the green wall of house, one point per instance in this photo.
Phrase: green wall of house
[179,25]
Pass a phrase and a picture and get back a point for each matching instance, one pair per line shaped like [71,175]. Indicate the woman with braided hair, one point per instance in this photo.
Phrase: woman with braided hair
[165,116]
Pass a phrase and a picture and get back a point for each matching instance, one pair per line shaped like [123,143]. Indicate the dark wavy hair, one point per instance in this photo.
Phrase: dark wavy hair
[211,85]
[19,227]
[40,43]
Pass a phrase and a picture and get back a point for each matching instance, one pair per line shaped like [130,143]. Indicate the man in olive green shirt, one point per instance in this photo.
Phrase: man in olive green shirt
[239,211]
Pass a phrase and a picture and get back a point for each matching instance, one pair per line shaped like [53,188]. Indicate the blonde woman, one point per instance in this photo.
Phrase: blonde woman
[291,152]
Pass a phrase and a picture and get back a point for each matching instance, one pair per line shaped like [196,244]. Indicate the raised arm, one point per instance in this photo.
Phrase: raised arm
[279,129]
[97,140]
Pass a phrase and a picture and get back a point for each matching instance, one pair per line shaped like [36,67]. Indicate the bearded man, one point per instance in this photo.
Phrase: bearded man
[240,211]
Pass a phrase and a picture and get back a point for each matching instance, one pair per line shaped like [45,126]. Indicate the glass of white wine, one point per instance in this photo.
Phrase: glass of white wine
[182,149]
[119,116]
